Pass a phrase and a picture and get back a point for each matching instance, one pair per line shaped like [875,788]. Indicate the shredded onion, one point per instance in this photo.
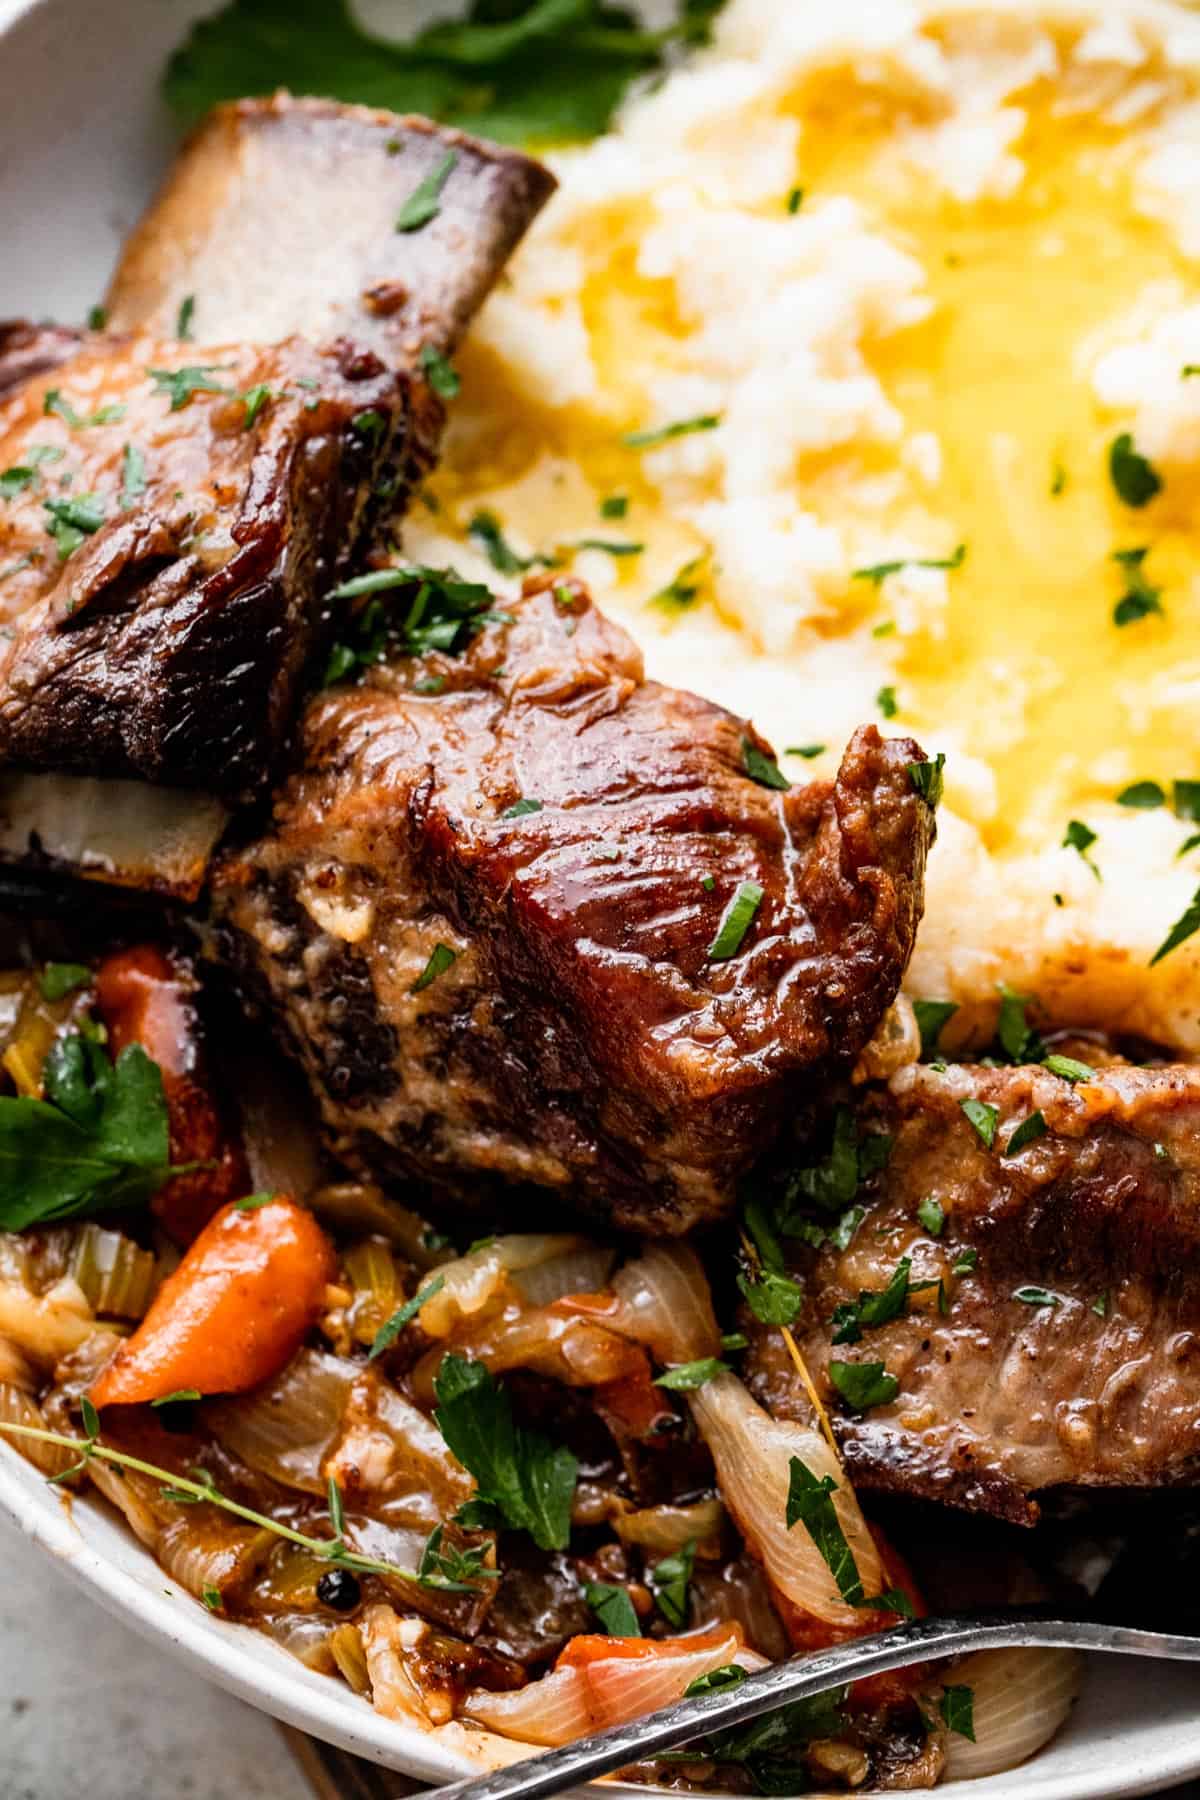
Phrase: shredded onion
[388,1451]
[670,1527]
[596,1684]
[286,1427]
[213,1552]
[396,1688]
[346,1649]
[580,1271]
[116,1275]
[45,1326]
[471,1282]
[17,1408]
[570,1350]
[1022,1698]
[752,1453]
[664,1303]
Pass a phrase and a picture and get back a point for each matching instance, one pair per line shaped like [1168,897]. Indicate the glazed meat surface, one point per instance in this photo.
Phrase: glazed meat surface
[1068,1355]
[572,836]
[165,548]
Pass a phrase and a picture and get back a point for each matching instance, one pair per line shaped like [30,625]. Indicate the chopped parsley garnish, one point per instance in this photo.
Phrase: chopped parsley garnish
[614,1609]
[451,1569]
[932,1215]
[187,312]
[435,610]
[1035,1296]
[55,402]
[388,1332]
[1019,1041]
[1184,927]
[1080,838]
[614,506]
[795,200]
[97,1142]
[681,591]
[59,979]
[774,1298]
[887,703]
[1100,1305]
[1030,1128]
[810,1503]
[425,202]
[441,957]
[662,434]
[97,318]
[870,1310]
[180,1394]
[877,573]
[521,1477]
[521,809]
[486,530]
[182,384]
[1140,599]
[133,475]
[688,1376]
[440,372]
[1185,800]
[965,1261]
[14,480]
[1058,480]
[211,1597]
[370,423]
[670,1579]
[734,1340]
[983,1118]
[957,1707]
[807,751]
[1134,477]
[731,1675]
[253,1202]
[72,520]
[736,921]
[932,1016]
[1068,1068]
[253,401]
[611,546]
[1143,796]
[863,1385]
[761,766]
[927,777]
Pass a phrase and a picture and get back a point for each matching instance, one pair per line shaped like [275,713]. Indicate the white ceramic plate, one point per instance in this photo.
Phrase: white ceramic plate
[83,138]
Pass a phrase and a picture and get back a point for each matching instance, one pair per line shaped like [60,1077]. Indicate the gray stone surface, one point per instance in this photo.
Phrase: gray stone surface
[88,1708]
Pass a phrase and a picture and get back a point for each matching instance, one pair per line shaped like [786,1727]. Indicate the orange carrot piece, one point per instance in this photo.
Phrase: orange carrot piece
[590,1648]
[235,1310]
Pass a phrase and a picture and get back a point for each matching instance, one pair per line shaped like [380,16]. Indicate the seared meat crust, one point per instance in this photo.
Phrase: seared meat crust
[1098,1220]
[169,643]
[583,1038]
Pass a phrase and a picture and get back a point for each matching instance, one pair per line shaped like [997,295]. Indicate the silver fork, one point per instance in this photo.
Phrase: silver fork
[921,1641]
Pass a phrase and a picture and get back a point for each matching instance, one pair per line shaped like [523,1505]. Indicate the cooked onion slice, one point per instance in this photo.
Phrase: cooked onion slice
[664,1303]
[753,1453]
[471,1282]
[1022,1698]
[607,1681]
[286,1427]
[18,1408]
[670,1527]
[581,1270]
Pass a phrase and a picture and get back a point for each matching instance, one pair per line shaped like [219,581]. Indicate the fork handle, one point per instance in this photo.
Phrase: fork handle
[920,1641]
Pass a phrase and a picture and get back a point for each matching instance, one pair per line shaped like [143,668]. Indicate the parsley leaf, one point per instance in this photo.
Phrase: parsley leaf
[430,609]
[540,71]
[1184,927]
[761,766]
[133,475]
[1081,837]
[519,1473]
[928,779]
[957,1707]
[731,1675]
[388,1332]
[863,1384]
[688,1376]
[1068,1068]
[1143,796]
[662,434]
[736,921]
[877,573]
[810,1503]
[774,1298]
[62,978]
[1019,1041]
[1140,599]
[1030,1128]
[441,957]
[887,702]
[440,372]
[424,203]
[614,1609]
[1035,1296]
[932,1215]
[931,1016]
[72,520]
[97,1141]
[1135,478]
[983,1117]
[181,384]
[669,1579]
[486,530]
[681,591]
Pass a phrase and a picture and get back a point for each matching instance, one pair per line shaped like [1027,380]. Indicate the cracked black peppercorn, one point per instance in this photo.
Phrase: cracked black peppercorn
[339,1589]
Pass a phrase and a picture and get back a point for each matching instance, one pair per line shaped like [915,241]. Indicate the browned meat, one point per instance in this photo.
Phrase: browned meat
[280,216]
[1069,1353]
[163,560]
[160,614]
[574,835]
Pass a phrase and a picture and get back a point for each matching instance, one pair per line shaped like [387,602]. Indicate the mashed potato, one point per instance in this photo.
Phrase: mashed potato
[898,275]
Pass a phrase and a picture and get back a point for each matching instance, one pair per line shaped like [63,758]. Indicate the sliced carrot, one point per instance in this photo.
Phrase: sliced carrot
[591,1648]
[144,999]
[235,1310]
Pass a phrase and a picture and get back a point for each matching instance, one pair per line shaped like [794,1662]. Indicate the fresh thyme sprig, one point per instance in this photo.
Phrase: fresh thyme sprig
[188,1490]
